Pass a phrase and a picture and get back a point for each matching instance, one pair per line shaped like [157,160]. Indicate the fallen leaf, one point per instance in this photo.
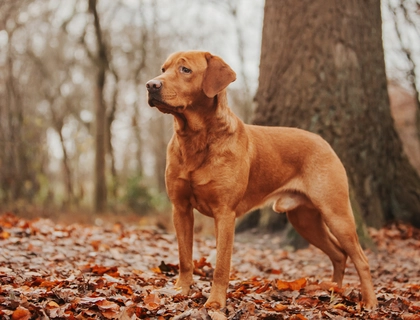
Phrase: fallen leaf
[292,285]
[21,313]
[307,302]
[152,301]
[280,307]
[4,235]
[105,304]
[52,304]
[340,306]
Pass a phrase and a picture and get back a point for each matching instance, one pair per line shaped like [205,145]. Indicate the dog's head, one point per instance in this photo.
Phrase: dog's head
[188,78]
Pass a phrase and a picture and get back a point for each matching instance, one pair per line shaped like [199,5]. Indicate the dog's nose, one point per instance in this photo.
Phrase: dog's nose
[153,85]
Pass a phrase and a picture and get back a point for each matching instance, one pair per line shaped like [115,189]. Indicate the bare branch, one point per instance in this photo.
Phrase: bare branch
[101,47]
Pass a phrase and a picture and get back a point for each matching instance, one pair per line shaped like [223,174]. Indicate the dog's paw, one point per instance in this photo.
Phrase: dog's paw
[184,286]
[369,301]
[217,315]
[370,305]
[212,305]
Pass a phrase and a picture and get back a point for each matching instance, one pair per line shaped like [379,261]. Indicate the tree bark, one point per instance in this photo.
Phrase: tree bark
[68,181]
[110,117]
[322,69]
[100,179]
[100,196]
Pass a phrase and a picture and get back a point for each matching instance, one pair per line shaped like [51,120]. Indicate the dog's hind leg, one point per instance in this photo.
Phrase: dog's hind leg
[309,224]
[340,222]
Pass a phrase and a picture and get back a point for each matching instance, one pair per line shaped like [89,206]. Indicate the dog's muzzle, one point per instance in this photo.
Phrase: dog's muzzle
[153,86]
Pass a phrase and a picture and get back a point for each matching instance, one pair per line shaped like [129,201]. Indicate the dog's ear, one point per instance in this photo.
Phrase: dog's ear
[217,77]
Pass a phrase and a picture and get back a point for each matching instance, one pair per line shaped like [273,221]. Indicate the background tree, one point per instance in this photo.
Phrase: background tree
[322,69]
[101,61]
[401,25]
[405,15]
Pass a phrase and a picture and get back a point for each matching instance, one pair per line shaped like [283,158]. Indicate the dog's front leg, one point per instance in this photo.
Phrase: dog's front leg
[225,229]
[184,223]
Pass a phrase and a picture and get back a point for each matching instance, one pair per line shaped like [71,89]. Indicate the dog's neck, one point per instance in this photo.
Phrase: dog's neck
[208,117]
[200,125]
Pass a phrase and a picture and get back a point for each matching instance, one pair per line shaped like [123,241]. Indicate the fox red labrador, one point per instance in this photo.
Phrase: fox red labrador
[224,168]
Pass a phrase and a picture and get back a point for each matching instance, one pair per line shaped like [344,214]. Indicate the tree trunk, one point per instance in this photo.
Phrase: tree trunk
[322,69]
[110,117]
[68,181]
[100,179]
[160,142]
[100,196]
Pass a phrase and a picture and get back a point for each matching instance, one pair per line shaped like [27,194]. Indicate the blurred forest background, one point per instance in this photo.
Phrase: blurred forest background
[76,132]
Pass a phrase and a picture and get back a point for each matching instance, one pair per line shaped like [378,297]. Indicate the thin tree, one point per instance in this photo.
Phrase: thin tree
[322,69]
[101,60]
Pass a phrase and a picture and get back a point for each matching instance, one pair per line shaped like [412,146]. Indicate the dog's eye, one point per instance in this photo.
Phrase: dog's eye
[185,70]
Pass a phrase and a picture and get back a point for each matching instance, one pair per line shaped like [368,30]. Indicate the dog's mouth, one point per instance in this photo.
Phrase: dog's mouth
[163,106]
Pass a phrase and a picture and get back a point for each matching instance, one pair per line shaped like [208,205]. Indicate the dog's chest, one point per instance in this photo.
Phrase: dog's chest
[200,205]
[203,191]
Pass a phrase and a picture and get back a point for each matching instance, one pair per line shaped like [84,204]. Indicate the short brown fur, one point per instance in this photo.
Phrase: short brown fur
[224,168]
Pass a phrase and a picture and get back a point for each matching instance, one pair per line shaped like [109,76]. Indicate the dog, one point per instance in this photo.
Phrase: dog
[224,168]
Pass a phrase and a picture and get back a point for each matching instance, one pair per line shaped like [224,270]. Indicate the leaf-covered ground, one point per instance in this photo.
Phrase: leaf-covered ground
[55,271]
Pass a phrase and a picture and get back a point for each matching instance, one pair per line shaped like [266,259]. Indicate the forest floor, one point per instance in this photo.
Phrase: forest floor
[50,270]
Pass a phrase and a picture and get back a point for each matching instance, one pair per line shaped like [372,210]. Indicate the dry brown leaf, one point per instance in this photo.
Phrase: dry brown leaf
[106,305]
[280,307]
[307,302]
[152,301]
[52,305]
[291,285]
[21,313]
[410,316]
[4,235]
